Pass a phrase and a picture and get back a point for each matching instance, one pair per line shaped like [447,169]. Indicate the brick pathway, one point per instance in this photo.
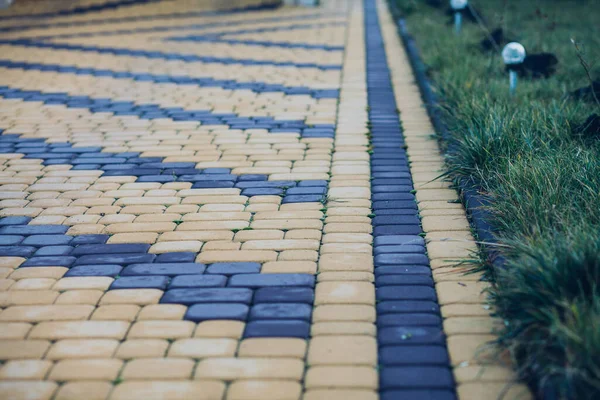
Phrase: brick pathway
[211,204]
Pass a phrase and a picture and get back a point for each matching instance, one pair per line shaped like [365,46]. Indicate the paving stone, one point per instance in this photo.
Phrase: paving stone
[233,268]
[273,347]
[172,390]
[419,394]
[132,296]
[89,369]
[79,330]
[284,295]
[167,329]
[70,348]
[341,394]
[200,348]
[89,390]
[35,390]
[203,312]
[342,350]
[407,355]
[25,370]
[281,311]
[140,282]
[356,377]
[212,295]
[140,348]
[475,390]
[264,390]
[277,328]
[411,377]
[220,329]
[249,368]
[94,270]
[157,368]
[197,281]
[269,280]
[164,269]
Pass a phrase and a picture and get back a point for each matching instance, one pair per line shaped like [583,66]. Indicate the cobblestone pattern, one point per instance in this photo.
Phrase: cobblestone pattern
[162,222]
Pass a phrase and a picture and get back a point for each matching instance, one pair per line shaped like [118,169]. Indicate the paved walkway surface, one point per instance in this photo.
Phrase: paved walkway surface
[201,203]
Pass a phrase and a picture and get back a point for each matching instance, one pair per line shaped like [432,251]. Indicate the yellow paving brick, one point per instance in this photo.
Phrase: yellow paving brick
[84,370]
[262,234]
[34,390]
[98,348]
[169,390]
[249,368]
[158,368]
[340,394]
[199,348]
[193,235]
[355,377]
[132,296]
[474,349]
[343,328]
[139,348]
[40,313]
[342,350]
[125,312]
[272,347]
[14,330]
[346,262]
[461,292]
[346,276]
[23,297]
[25,370]
[34,284]
[23,349]
[80,297]
[11,262]
[221,245]
[264,390]
[312,234]
[138,237]
[281,245]
[469,324]
[162,312]
[346,248]
[483,373]
[220,329]
[344,293]
[508,390]
[344,312]
[465,310]
[298,255]
[38,272]
[291,267]
[157,329]
[79,330]
[90,390]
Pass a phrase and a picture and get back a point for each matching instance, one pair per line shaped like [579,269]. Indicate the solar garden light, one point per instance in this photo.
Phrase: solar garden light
[458,6]
[513,55]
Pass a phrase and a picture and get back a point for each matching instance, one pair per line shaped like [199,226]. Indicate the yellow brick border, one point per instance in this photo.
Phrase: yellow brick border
[342,354]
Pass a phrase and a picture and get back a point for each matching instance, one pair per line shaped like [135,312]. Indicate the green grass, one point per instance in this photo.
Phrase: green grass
[543,179]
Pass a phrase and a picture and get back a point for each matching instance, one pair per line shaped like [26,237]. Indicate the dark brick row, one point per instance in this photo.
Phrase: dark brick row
[413,358]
